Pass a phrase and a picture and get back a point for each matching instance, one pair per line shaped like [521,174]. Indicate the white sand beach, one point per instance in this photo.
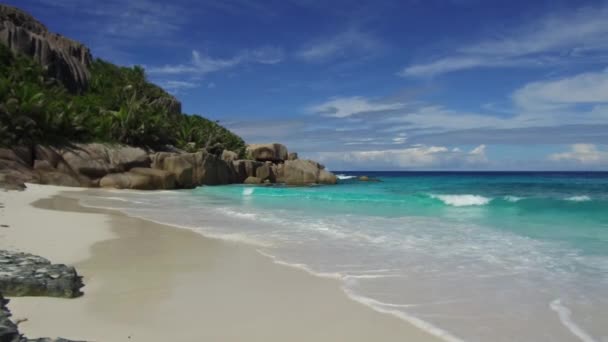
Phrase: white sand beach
[149,282]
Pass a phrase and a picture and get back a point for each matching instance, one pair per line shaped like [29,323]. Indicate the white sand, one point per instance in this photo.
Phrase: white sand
[149,282]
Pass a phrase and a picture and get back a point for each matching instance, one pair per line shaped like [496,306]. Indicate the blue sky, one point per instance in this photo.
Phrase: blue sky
[453,84]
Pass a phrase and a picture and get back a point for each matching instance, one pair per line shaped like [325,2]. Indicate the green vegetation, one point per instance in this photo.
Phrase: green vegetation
[120,106]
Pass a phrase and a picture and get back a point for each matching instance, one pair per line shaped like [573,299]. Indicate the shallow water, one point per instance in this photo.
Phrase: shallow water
[466,256]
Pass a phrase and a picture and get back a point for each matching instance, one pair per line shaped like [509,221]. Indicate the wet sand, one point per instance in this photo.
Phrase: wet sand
[151,282]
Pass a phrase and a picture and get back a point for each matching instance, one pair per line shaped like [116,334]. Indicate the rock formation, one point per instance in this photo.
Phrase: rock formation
[305,172]
[267,152]
[65,59]
[23,274]
[124,167]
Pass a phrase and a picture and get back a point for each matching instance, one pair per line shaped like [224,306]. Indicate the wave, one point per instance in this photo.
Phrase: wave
[564,316]
[248,191]
[344,177]
[583,198]
[512,199]
[462,200]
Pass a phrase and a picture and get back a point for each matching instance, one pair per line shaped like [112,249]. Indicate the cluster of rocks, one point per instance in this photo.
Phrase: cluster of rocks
[126,167]
[23,274]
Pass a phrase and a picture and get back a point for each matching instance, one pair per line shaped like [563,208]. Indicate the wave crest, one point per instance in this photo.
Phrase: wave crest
[583,198]
[462,200]
[344,177]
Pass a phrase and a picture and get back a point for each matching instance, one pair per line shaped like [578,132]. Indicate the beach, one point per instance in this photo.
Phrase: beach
[150,282]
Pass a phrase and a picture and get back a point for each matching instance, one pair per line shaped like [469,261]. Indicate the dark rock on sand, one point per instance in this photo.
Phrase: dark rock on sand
[23,274]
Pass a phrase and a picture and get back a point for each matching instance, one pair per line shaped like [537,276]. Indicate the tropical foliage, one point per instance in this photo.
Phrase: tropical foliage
[120,106]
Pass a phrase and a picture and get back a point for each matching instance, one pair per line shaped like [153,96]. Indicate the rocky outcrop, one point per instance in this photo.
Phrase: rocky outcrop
[267,152]
[229,156]
[244,169]
[252,181]
[127,180]
[124,167]
[306,172]
[265,173]
[97,160]
[65,59]
[292,156]
[159,179]
[194,169]
[23,274]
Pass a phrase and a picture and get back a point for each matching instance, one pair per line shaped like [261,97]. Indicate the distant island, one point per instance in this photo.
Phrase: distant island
[69,119]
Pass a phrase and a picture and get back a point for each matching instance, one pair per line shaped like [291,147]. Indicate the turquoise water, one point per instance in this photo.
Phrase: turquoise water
[466,256]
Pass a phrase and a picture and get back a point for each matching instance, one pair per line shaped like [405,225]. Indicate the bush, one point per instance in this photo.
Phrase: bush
[120,106]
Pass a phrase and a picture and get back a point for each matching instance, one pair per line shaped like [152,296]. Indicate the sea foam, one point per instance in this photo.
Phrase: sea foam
[582,198]
[462,200]
[344,177]
[564,316]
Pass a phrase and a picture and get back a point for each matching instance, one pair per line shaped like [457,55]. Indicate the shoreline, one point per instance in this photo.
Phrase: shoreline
[149,281]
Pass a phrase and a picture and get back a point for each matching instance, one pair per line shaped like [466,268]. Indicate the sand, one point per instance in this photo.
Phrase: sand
[150,282]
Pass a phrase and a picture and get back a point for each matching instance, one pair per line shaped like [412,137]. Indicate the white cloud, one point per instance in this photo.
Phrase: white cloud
[203,64]
[414,157]
[342,107]
[586,154]
[586,88]
[551,40]
[342,45]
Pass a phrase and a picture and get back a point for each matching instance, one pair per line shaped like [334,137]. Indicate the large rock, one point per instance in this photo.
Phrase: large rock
[326,177]
[14,174]
[267,152]
[245,168]
[229,156]
[292,156]
[252,181]
[23,274]
[97,160]
[305,172]
[58,178]
[182,166]
[194,169]
[48,154]
[127,180]
[212,170]
[160,179]
[65,59]
[301,172]
[264,173]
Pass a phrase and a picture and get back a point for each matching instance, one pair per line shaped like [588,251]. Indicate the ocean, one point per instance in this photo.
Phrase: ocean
[467,256]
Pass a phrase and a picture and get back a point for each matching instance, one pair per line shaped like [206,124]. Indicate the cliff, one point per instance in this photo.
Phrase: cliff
[65,59]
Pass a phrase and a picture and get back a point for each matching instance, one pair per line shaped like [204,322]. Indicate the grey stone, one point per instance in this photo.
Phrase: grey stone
[30,275]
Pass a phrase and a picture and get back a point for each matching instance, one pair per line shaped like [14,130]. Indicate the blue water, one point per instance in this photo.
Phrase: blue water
[467,256]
